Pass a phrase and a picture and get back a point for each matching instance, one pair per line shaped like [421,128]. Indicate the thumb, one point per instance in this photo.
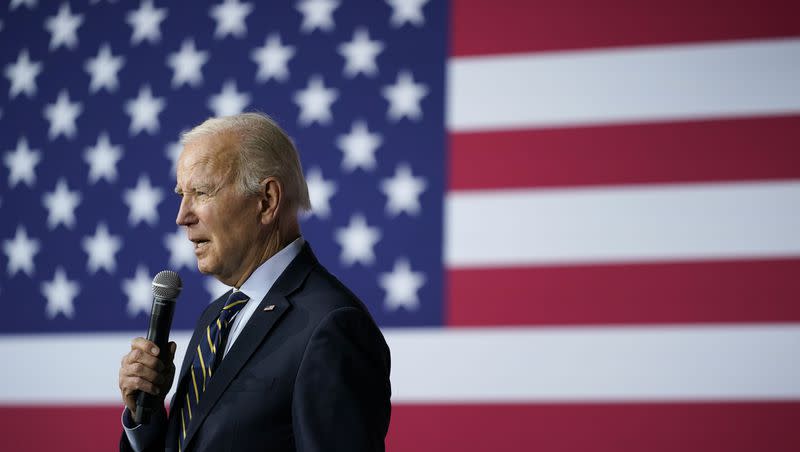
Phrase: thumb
[172,347]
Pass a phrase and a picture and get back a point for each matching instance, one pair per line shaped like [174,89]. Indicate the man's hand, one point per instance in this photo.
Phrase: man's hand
[142,370]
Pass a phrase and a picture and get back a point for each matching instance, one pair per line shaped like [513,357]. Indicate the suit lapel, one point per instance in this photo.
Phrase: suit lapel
[271,309]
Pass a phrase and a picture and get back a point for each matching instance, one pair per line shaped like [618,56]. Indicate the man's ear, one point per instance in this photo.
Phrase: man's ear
[271,196]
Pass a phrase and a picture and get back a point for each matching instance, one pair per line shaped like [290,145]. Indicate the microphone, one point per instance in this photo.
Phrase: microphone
[166,288]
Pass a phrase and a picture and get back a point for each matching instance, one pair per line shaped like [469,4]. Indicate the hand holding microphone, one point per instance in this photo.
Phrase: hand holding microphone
[147,371]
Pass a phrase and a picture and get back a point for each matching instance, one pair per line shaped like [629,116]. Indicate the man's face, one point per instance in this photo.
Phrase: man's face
[222,223]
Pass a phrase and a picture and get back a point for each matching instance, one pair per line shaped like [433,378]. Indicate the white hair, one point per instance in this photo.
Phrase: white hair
[265,150]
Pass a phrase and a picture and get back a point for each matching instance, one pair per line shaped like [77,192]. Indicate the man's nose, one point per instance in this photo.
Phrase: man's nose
[186,215]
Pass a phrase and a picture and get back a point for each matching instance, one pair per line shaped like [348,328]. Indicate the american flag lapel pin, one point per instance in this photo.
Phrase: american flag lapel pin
[269,307]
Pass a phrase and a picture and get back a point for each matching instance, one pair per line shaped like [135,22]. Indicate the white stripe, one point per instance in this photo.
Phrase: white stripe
[619,224]
[579,364]
[742,362]
[67,368]
[745,78]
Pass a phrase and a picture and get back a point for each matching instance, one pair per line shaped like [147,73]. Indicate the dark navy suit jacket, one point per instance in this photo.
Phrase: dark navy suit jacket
[309,374]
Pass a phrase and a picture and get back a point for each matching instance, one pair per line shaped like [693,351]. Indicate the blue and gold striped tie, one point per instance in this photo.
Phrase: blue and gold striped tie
[207,357]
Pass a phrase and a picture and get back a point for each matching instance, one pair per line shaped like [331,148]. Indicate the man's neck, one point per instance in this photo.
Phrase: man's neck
[272,245]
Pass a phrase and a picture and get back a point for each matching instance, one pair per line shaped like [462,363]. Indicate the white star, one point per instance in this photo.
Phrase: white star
[20,252]
[402,191]
[144,111]
[320,192]
[30,4]
[61,205]
[173,151]
[229,101]
[62,116]
[360,54]
[143,202]
[315,102]
[407,11]
[146,22]
[401,286]
[317,14]
[272,59]
[359,147]
[63,28]
[181,250]
[104,68]
[101,248]
[215,288]
[404,97]
[102,159]
[60,293]
[357,241]
[186,64]
[21,163]
[22,75]
[230,16]
[139,291]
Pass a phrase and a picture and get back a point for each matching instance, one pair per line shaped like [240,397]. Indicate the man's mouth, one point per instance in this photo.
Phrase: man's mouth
[200,243]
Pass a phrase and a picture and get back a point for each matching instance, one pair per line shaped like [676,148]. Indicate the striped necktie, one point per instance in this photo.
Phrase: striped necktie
[207,357]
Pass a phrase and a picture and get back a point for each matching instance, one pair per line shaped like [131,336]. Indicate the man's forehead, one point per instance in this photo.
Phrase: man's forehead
[213,154]
[213,148]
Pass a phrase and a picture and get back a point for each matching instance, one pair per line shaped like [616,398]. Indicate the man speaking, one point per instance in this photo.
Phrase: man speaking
[289,359]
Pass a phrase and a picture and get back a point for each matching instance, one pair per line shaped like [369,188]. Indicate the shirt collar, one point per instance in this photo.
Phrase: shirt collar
[261,280]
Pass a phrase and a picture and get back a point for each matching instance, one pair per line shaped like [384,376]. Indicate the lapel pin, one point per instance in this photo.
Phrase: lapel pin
[269,307]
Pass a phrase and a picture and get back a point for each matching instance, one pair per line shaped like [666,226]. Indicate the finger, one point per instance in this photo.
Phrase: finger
[173,347]
[144,345]
[141,371]
[140,384]
[142,357]
[155,381]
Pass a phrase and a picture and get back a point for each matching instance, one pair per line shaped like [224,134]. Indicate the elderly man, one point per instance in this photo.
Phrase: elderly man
[289,359]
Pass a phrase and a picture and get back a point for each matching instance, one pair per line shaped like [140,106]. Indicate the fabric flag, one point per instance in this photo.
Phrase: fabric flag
[578,225]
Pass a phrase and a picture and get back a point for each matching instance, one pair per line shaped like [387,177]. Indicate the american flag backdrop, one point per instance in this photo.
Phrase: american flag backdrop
[578,223]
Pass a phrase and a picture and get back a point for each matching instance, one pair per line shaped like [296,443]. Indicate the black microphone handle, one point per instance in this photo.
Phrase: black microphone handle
[158,332]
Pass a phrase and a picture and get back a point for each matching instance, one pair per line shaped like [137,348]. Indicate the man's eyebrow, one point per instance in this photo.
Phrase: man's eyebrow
[204,187]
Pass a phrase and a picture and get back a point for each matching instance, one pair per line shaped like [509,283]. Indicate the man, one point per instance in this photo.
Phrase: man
[289,359]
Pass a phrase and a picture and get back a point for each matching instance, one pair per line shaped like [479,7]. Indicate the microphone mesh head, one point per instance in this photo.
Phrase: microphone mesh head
[167,284]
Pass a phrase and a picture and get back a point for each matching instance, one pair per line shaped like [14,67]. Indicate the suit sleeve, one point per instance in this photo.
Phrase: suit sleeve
[342,390]
[153,435]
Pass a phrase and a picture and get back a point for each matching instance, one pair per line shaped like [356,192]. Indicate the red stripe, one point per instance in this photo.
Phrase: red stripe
[684,292]
[652,427]
[62,428]
[741,149]
[481,27]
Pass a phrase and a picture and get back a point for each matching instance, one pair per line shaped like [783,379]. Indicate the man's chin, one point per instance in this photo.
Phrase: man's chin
[203,267]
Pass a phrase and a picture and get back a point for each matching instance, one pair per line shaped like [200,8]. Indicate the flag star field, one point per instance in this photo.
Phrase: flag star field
[92,120]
